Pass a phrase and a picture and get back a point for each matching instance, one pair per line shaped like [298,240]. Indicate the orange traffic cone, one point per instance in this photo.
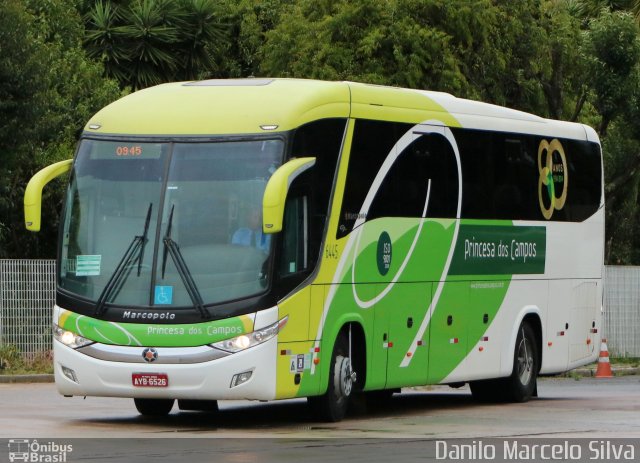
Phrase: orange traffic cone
[604,367]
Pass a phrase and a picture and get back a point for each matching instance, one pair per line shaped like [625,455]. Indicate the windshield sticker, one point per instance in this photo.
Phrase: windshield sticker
[88,266]
[163,295]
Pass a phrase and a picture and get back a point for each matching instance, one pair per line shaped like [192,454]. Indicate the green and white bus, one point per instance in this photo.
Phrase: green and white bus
[278,238]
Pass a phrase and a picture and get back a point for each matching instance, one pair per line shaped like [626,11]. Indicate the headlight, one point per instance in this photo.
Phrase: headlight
[69,338]
[244,341]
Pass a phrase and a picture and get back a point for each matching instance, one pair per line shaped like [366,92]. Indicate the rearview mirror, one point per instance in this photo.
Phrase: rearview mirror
[275,194]
[33,192]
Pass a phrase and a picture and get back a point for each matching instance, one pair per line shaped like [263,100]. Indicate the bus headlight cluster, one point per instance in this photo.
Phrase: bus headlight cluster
[244,341]
[69,338]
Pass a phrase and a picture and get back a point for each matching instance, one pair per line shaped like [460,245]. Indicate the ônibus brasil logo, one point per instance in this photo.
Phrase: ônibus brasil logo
[34,451]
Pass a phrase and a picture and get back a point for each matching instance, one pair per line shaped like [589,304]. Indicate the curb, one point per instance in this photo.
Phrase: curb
[9,379]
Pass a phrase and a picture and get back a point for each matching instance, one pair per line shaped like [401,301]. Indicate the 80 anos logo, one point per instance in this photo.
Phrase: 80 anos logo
[554,177]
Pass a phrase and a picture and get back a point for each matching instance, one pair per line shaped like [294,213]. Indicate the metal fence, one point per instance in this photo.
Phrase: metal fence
[27,295]
[621,318]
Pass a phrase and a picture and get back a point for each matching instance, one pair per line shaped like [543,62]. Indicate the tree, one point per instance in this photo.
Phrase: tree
[249,21]
[147,42]
[390,42]
[612,53]
[48,89]
[621,157]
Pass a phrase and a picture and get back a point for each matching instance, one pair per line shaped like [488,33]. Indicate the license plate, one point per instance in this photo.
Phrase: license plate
[150,379]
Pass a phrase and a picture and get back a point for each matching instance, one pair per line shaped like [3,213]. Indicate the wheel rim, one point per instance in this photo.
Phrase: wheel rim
[525,360]
[343,377]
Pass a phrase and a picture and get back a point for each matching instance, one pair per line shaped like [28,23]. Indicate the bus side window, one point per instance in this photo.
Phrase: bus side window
[295,237]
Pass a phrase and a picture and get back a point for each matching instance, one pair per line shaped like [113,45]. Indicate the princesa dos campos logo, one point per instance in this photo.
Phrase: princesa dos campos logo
[38,452]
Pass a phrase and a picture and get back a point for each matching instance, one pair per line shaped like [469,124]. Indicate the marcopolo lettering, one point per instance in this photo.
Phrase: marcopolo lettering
[148,315]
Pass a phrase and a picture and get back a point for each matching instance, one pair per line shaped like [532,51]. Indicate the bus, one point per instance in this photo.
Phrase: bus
[269,239]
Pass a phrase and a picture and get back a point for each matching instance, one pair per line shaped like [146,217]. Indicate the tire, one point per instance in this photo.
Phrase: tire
[206,406]
[154,407]
[522,383]
[332,405]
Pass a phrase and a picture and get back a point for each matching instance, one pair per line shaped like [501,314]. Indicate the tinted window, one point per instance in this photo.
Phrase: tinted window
[502,176]
[372,143]
[308,200]
[429,159]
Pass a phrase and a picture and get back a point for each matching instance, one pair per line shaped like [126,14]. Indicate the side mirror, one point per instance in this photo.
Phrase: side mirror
[33,192]
[275,194]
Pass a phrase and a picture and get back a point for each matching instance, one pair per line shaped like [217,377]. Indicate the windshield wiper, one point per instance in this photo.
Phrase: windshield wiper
[144,239]
[123,269]
[172,248]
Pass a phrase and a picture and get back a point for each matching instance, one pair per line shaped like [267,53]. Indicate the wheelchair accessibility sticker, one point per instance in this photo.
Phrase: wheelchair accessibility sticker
[163,295]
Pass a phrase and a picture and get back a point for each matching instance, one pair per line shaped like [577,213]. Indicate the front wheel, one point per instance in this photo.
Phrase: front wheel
[332,405]
[154,407]
[206,406]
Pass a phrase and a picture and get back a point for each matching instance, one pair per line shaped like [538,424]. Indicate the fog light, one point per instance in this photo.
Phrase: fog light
[241,378]
[69,373]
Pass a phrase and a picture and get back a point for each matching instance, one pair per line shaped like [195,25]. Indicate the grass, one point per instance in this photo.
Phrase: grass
[12,362]
[625,361]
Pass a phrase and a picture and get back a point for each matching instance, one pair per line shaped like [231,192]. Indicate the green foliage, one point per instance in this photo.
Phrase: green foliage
[147,42]
[621,158]
[588,9]
[505,52]
[248,22]
[12,362]
[10,358]
[562,71]
[567,59]
[48,89]
[390,42]
[612,52]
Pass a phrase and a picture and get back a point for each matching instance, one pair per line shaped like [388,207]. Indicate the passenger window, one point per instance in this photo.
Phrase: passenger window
[428,160]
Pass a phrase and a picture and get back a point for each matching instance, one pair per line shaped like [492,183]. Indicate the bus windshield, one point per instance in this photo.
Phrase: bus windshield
[152,224]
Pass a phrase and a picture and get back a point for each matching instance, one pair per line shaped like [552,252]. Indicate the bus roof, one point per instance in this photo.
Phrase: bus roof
[262,105]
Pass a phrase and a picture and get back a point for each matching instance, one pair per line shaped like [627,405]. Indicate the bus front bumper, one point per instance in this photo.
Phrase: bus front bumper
[79,374]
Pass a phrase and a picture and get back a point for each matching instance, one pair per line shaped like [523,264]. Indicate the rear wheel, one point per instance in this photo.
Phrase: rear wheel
[154,407]
[332,405]
[521,385]
[488,390]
